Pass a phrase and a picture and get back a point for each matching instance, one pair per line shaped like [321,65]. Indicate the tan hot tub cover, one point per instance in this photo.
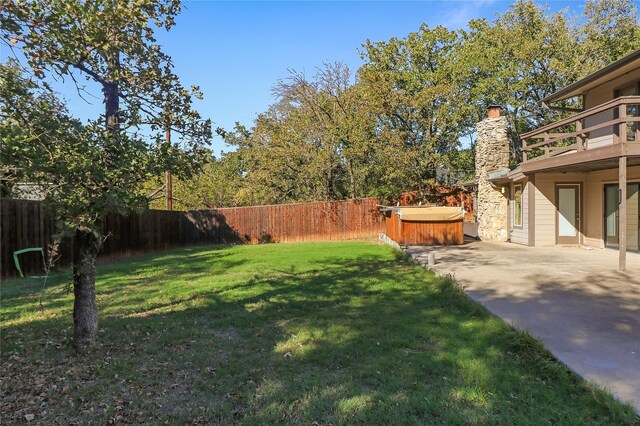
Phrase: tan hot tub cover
[430,214]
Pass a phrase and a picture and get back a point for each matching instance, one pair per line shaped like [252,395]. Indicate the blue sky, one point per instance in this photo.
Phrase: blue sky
[236,51]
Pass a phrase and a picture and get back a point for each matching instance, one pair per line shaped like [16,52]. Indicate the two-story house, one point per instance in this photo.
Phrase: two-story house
[579,181]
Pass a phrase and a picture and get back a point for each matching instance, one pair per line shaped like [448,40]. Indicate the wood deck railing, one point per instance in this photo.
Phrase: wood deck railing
[569,134]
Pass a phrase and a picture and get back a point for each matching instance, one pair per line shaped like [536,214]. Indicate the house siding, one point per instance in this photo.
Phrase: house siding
[592,205]
[545,220]
[599,95]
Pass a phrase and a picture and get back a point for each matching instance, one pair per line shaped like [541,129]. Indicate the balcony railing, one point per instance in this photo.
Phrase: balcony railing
[570,134]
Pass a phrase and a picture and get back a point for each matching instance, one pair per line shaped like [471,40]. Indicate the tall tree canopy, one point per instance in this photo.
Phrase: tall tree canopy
[89,170]
[406,119]
[610,31]
[316,143]
[527,53]
[415,97]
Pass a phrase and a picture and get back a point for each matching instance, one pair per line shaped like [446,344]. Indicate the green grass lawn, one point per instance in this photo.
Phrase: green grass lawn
[315,333]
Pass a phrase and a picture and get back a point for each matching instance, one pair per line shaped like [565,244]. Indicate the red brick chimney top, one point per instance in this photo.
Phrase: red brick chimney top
[494,111]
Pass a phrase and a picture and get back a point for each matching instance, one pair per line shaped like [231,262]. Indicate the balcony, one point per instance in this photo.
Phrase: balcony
[605,132]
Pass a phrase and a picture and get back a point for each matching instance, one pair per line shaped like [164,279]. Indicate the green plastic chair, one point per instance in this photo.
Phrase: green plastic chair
[28,250]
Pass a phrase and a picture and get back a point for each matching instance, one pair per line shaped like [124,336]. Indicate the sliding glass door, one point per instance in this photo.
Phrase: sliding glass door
[612,216]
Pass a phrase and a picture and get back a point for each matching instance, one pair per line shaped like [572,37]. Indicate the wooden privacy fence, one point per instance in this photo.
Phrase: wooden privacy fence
[26,224]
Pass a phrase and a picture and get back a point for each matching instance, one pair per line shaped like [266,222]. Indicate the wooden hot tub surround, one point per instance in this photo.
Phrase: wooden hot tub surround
[424,232]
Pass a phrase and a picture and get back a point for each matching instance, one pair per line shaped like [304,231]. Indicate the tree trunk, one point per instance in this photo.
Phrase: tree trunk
[353,181]
[85,313]
[111,106]
[111,91]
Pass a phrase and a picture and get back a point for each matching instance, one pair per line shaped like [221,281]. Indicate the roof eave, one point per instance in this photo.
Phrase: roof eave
[569,91]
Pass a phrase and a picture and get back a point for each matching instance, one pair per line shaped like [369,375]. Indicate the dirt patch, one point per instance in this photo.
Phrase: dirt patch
[228,334]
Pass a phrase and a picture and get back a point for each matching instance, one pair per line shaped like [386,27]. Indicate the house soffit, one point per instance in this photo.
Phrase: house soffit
[612,71]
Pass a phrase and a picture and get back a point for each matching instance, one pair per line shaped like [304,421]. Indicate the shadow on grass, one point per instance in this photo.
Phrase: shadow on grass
[367,339]
[116,279]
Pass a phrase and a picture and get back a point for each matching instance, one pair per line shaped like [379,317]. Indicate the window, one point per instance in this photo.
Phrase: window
[517,205]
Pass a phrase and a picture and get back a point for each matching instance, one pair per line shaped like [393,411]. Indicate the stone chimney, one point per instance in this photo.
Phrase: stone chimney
[492,154]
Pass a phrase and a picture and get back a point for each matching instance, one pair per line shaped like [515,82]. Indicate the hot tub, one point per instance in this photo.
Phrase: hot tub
[425,225]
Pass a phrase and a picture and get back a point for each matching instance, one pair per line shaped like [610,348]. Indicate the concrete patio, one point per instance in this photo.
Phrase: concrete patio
[573,299]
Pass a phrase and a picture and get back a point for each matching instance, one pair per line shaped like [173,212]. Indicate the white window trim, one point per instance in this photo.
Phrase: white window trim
[515,224]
